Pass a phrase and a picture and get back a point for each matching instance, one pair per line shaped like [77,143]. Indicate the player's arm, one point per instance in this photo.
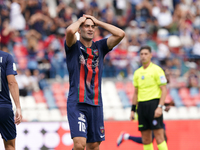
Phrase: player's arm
[158,111]
[71,30]
[117,33]
[14,90]
[134,103]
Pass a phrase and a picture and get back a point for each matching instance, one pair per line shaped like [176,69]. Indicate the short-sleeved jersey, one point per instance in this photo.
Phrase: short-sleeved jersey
[85,66]
[7,67]
[148,82]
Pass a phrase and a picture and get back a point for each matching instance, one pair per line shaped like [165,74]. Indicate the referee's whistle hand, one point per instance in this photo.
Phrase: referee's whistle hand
[158,112]
[132,115]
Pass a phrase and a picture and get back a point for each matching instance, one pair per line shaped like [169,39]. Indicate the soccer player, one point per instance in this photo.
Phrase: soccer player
[85,66]
[150,93]
[7,118]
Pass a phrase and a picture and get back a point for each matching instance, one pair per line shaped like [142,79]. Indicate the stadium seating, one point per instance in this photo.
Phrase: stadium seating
[50,104]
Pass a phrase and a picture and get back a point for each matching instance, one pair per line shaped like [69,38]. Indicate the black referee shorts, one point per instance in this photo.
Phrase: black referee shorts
[146,118]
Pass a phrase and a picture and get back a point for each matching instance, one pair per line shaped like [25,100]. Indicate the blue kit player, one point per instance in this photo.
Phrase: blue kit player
[85,66]
[7,118]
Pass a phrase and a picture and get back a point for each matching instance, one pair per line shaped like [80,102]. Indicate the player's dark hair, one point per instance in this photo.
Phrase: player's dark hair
[86,19]
[145,47]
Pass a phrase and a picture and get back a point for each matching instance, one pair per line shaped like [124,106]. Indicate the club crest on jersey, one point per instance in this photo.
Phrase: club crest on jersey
[82,59]
[102,129]
[96,52]
[142,77]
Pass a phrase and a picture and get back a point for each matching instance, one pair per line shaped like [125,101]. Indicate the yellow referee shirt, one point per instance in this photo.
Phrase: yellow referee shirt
[148,82]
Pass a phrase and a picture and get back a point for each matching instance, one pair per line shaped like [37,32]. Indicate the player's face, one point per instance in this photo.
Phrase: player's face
[145,56]
[87,30]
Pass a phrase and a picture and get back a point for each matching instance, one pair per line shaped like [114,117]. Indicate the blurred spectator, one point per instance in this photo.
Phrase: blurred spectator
[120,6]
[193,77]
[6,33]
[21,80]
[174,86]
[17,20]
[144,10]
[196,49]
[33,6]
[164,17]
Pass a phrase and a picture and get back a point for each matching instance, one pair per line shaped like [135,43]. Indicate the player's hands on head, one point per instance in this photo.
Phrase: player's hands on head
[93,18]
[82,19]
[18,116]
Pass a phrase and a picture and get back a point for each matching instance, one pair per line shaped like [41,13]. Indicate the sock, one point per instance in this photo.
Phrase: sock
[162,146]
[148,146]
[126,136]
[135,139]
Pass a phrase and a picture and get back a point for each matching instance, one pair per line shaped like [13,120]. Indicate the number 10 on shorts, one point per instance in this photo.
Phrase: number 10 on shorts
[81,126]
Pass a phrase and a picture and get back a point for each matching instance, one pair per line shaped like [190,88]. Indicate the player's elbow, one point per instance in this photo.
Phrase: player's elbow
[121,34]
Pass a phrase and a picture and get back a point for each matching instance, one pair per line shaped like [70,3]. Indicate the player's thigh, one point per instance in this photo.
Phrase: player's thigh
[7,126]
[79,142]
[77,120]
[93,146]
[96,132]
[146,136]
[159,135]
[9,144]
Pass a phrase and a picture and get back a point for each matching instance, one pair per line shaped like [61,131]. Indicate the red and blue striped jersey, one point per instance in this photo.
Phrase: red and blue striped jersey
[85,66]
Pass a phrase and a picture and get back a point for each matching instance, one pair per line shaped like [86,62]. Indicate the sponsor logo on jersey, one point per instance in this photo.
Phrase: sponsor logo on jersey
[82,59]
[163,79]
[1,59]
[82,48]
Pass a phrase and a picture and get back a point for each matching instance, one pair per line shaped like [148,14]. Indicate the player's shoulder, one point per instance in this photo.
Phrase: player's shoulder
[137,71]
[156,67]
[5,55]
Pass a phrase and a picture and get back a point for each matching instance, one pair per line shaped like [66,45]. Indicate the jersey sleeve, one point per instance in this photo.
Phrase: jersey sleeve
[68,49]
[11,66]
[104,46]
[160,77]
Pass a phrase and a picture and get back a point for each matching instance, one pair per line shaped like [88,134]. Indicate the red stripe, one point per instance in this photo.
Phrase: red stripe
[82,84]
[96,86]
[89,66]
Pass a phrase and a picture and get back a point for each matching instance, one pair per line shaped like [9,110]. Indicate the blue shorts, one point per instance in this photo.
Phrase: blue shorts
[86,121]
[7,125]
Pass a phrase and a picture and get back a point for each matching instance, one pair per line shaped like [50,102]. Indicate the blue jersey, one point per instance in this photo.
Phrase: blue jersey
[85,66]
[7,67]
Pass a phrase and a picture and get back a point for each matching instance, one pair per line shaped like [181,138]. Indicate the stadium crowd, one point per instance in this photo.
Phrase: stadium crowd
[172,28]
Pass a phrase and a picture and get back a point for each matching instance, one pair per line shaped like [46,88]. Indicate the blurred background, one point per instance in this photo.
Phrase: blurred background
[33,32]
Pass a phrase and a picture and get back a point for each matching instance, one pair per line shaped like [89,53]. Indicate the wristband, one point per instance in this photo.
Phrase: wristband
[162,106]
[133,108]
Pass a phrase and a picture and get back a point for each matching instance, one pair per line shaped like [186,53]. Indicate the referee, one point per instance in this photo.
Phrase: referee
[149,96]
